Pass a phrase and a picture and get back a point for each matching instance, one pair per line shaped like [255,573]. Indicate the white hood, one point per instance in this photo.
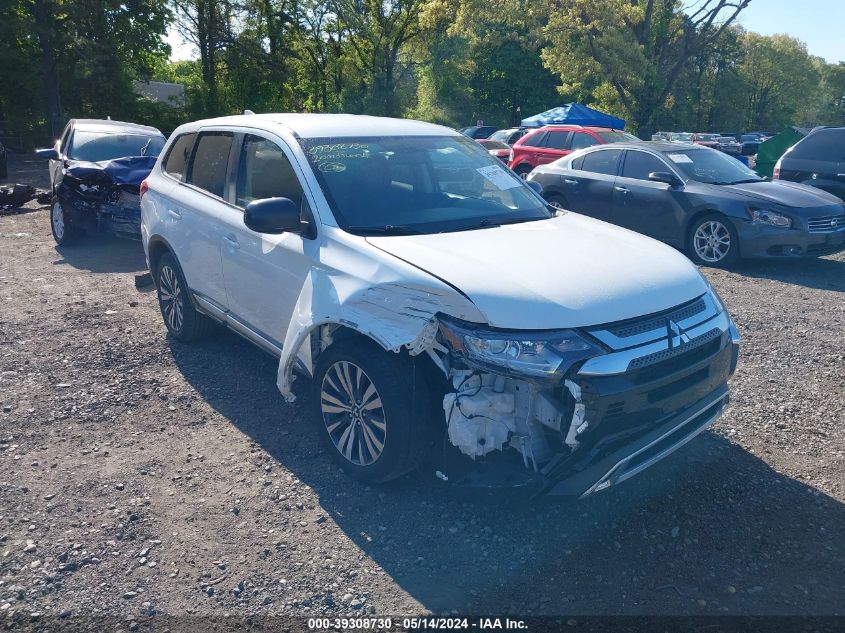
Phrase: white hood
[569,271]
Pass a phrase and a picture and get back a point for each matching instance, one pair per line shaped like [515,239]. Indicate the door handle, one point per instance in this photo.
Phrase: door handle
[569,181]
[231,241]
[622,189]
[173,213]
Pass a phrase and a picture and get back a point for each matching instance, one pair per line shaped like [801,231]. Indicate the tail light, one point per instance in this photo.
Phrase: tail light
[144,188]
[776,170]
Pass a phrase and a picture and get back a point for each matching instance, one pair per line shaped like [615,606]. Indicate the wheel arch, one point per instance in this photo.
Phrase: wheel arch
[156,247]
[702,213]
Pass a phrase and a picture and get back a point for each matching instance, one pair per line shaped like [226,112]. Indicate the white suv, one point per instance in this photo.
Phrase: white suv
[441,309]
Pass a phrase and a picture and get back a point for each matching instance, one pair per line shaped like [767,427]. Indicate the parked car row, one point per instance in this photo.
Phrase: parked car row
[729,143]
[442,306]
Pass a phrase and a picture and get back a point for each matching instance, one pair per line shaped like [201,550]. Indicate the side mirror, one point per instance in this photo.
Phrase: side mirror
[273,215]
[666,177]
[49,153]
[536,186]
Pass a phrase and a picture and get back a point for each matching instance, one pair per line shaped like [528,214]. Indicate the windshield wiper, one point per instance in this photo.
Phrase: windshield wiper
[146,145]
[738,182]
[387,229]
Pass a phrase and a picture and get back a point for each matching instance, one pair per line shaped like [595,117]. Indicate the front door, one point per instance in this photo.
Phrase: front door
[264,273]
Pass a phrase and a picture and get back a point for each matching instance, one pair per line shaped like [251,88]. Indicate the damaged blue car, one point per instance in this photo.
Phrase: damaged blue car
[96,170]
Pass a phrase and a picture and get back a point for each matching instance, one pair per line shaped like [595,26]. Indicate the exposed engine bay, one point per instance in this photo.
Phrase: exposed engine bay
[105,196]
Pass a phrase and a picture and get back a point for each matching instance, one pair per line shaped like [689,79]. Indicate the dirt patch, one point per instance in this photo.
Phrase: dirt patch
[139,475]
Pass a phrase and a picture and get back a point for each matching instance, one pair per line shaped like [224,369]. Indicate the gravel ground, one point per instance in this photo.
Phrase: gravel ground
[139,475]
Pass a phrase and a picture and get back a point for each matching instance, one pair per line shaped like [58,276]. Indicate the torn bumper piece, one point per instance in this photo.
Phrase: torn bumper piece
[105,197]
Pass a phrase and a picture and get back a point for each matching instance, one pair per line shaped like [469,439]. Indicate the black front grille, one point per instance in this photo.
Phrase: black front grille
[666,354]
[653,322]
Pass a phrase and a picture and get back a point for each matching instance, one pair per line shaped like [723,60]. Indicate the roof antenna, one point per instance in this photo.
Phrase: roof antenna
[108,118]
[248,112]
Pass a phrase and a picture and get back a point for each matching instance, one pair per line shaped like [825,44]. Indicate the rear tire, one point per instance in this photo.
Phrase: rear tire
[182,320]
[557,201]
[712,241]
[523,170]
[373,409]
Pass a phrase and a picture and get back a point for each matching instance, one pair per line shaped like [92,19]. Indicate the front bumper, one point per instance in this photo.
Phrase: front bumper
[759,242]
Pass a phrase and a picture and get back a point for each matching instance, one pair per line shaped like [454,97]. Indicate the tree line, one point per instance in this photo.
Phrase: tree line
[449,61]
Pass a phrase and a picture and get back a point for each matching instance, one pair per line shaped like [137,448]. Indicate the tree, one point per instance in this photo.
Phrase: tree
[638,50]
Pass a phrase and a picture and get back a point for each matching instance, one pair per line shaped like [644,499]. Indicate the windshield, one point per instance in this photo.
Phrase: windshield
[727,139]
[493,144]
[706,137]
[711,166]
[616,137]
[98,146]
[502,135]
[681,136]
[418,184]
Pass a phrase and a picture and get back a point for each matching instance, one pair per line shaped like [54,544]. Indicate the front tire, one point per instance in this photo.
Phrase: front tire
[63,230]
[373,410]
[182,320]
[712,241]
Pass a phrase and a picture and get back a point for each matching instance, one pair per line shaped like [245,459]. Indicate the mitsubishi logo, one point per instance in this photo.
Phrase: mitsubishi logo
[676,335]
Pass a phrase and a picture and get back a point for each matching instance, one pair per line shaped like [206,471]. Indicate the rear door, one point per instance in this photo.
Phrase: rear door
[555,145]
[264,273]
[194,210]
[651,208]
[588,185]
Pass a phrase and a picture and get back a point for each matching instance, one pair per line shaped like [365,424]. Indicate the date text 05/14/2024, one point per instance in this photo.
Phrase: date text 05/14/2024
[415,624]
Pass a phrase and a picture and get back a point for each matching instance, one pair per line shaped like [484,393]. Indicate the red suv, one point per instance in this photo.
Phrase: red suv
[547,144]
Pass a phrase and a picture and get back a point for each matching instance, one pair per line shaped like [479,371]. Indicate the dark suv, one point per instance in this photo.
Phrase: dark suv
[818,159]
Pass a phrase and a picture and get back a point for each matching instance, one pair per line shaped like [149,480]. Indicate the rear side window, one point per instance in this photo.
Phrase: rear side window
[581,140]
[578,163]
[602,161]
[640,164]
[557,140]
[821,145]
[533,140]
[211,162]
[177,157]
[265,172]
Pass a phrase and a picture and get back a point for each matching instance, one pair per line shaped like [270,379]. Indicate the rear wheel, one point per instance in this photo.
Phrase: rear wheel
[523,170]
[373,410]
[713,241]
[557,201]
[183,321]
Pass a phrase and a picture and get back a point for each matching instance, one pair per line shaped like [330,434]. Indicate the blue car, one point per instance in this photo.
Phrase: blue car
[96,170]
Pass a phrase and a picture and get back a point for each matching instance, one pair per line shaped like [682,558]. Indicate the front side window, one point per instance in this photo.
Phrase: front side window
[418,184]
[265,172]
[640,164]
[581,140]
[602,161]
[177,157]
[99,146]
[211,162]
[710,166]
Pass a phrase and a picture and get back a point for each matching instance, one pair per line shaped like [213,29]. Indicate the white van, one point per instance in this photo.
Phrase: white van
[440,308]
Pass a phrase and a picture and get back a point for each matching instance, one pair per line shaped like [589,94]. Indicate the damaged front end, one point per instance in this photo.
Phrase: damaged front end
[105,196]
[572,412]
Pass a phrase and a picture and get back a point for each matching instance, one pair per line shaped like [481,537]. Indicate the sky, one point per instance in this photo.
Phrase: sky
[818,23]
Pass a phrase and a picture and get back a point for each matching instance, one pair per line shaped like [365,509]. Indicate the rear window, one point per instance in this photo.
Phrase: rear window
[821,145]
[211,162]
[616,136]
[533,140]
[177,158]
[602,161]
[99,146]
[556,139]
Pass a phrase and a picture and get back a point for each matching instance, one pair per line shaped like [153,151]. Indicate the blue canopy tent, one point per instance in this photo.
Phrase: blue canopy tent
[574,114]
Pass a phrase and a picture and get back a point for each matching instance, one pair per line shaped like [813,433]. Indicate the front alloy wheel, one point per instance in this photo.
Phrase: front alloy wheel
[713,242]
[353,413]
[63,231]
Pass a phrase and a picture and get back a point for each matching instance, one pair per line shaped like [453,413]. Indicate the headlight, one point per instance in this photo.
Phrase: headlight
[542,355]
[772,218]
